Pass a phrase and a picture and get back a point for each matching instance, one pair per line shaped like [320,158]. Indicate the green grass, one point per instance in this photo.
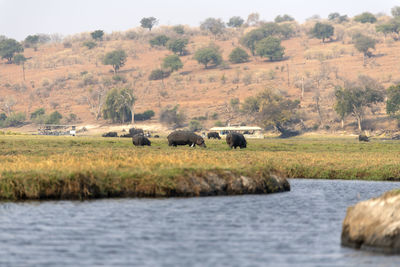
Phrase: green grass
[34,167]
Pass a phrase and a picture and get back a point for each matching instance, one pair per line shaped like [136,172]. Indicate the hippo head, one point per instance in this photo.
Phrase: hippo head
[200,142]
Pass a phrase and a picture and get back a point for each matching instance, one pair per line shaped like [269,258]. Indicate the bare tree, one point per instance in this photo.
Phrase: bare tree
[95,99]
[7,104]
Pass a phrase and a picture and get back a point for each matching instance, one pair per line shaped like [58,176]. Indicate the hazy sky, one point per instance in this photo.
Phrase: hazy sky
[19,18]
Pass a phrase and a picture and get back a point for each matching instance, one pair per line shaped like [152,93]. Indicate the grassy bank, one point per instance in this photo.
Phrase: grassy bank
[33,167]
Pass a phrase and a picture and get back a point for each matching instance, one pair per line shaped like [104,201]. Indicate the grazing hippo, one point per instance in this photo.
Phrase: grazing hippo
[140,140]
[236,140]
[214,135]
[110,134]
[363,138]
[135,131]
[181,138]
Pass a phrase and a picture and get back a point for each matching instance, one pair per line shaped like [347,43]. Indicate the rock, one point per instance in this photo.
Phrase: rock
[228,183]
[374,224]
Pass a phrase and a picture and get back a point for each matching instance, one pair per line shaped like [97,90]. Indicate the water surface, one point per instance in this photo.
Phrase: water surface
[297,228]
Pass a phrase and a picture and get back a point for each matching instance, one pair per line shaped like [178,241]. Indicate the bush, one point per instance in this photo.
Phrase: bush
[195,126]
[90,44]
[119,79]
[238,55]
[160,40]
[147,115]
[207,55]
[179,29]
[37,113]
[365,17]
[54,118]
[172,117]
[14,120]
[218,124]
[177,46]
[158,74]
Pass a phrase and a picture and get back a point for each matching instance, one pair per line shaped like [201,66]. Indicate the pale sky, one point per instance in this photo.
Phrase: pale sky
[19,18]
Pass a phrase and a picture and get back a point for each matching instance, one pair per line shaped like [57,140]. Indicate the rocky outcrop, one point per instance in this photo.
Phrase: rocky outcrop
[228,183]
[374,224]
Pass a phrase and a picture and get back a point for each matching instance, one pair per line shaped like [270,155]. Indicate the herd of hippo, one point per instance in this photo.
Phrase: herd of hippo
[182,138]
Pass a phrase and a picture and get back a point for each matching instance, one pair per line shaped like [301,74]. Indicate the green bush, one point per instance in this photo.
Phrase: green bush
[195,126]
[160,40]
[158,74]
[238,55]
[15,119]
[54,118]
[147,115]
[90,44]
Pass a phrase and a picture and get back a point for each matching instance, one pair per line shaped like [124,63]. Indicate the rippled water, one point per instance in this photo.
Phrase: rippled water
[297,228]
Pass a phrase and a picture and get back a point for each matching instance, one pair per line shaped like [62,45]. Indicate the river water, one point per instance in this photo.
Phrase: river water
[297,228]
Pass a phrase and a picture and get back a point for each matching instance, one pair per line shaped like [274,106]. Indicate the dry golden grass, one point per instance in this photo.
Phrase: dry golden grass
[29,165]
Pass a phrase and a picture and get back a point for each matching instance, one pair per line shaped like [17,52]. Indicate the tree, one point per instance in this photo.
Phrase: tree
[250,39]
[392,26]
[283,18]
[160,40]
[271,48]
[31,41]
[212,25]
[116,59]
[363,44]
[269,108]
[365,17]
[54,118]
[7,104]
[172,63]
[172,116]
[20,59]
[238,55]
[253,19]
[393,101]
[148,23]
[322,31]
[119,105]
[235,22]
[95,98]
[207,55]
[177,46]
[90,44]
[8,48]
[336,17]
[395,11]
[158,74]
[354,98]
[97,35]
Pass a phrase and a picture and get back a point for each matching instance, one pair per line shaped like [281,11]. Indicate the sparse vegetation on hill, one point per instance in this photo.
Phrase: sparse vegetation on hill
[73,75]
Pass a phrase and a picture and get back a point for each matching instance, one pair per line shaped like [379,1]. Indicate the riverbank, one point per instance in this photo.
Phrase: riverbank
[40,167]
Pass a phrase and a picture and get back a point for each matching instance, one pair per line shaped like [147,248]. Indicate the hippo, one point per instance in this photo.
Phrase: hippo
[214,135]
[363,138]
[140,140]
[181,138]
[236,140]
[110,134]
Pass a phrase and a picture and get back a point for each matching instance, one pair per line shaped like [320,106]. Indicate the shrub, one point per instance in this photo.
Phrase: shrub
[14,120]
[195,126]
[147,115]
[90,44]
[172,117]
[119,79]
[158,74]
[37,113]
[54,118]
[179,29]
[238,55]
[207,55]
[177,46]
[365,17]
[160,40]
[218,124]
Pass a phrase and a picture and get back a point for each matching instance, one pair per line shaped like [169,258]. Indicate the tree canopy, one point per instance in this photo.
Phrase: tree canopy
[212,25]
[283,18]
[235,22]
[207,55]
[118,106]
[116,59]
[148,23]
[322,31]
[269,108]
[365,17]
[393,101]
[31,41]
[355,97]
[172,63]
[177,46]
[238,55]
[271,48]
[159,40]
[97,35]
[9,47]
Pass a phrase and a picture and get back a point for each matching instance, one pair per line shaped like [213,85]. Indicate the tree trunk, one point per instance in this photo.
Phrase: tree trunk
[133,115]
[342,122]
